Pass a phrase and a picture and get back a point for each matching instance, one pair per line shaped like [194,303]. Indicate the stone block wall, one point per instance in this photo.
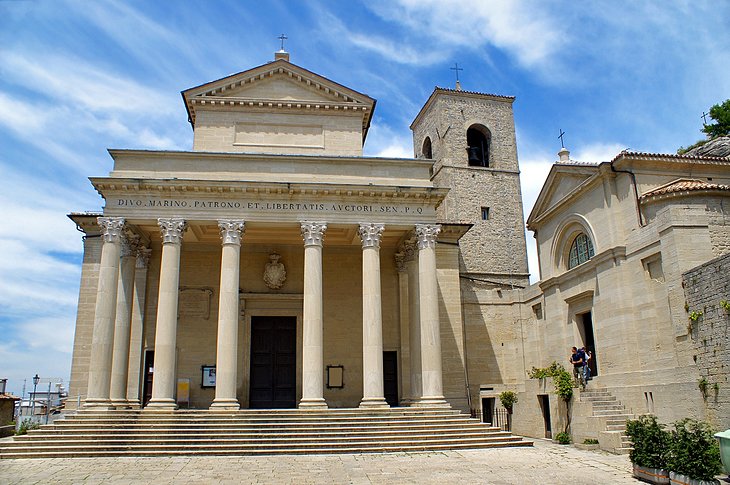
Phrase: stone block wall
[705,287]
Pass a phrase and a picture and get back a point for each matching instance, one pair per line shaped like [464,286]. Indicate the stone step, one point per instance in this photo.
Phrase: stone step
[204,434]
[260,418]
[616,427]
[409,411]
[244,428]
[385,448]
[612,413]
[141,433]
[260,440]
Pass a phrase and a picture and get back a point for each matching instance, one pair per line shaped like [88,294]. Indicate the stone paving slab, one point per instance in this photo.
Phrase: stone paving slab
[545,463]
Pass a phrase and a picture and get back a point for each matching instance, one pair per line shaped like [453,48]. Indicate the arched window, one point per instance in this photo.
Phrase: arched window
[478,140]
[580,251]
[426,150]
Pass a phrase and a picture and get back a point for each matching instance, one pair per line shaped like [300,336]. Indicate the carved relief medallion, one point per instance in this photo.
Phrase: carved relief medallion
[275,272]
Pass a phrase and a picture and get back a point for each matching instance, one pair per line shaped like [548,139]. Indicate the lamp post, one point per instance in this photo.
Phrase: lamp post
[36,379]
[48,402]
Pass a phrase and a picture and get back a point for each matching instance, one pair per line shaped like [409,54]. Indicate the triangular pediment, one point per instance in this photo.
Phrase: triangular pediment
[562,181]
[279,87]
[278,81]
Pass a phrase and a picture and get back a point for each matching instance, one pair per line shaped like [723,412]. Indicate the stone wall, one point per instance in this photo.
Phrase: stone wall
[705,287]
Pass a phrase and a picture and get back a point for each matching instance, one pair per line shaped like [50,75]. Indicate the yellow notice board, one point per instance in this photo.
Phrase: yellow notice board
[183,391]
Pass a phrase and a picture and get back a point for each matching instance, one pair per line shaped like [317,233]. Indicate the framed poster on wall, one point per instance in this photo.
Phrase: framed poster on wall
[208,379]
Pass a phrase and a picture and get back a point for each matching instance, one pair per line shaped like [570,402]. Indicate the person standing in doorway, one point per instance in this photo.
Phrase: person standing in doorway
[577,359]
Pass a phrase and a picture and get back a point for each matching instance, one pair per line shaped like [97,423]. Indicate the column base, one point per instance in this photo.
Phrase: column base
[432,402]
[318,403]
[134,404]
[121,404]
[161,405]
[225,405]
[97,404]
[374,402]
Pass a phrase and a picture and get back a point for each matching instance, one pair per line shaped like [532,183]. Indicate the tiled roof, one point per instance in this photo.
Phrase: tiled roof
[684,185]
[461,91]
[644,155]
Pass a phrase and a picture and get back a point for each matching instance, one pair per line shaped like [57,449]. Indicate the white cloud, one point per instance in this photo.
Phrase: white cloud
[597,152]
[70,81]
[383,141]
[524,29]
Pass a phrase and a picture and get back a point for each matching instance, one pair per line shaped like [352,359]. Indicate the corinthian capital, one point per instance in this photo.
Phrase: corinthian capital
[130,244]
[313,233]
[172,230]
[231,231]
[111,228]
[370,234]
[427,234]
[143,258]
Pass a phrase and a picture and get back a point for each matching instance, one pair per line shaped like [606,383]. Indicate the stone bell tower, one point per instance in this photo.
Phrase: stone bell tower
[471,138]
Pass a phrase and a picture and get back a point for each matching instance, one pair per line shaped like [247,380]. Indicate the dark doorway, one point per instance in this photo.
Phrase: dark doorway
[390,377]
[585,327]
[273,362]
[488,410]
[149,364]
[544,400]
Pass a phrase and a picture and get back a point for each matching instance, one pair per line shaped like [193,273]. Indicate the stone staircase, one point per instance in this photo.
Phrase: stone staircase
[612,416]
[256,432]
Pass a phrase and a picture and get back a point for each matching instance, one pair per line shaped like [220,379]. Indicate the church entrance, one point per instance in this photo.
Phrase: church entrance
[273,362]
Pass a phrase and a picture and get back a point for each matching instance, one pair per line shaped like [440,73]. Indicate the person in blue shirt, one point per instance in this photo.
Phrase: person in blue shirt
[578,359]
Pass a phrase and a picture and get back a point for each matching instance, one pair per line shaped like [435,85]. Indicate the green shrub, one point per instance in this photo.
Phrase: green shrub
[650,442]
[590,441]
[563,438]
[26,425]
[694,452]
[508,399]
[562,379]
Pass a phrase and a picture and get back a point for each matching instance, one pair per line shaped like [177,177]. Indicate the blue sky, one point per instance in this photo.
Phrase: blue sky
[78,77]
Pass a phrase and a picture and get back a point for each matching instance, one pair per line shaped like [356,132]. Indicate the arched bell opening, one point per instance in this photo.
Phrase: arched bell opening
[478,139]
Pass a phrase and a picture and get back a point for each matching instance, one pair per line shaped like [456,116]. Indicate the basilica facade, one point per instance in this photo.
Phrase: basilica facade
[275,266]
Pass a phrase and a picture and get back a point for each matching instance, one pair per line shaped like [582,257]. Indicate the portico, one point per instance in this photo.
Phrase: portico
[273,259]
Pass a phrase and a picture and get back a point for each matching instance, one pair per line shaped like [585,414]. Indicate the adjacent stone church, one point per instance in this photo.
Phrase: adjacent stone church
[274,266]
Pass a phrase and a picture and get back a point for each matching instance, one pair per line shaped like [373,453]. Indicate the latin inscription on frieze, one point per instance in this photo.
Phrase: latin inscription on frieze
[267,207]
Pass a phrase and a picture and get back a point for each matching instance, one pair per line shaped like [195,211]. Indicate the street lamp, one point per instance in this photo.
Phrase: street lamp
[36,380]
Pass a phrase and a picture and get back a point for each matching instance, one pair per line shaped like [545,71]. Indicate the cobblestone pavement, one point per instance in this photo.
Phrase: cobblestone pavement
[545,463]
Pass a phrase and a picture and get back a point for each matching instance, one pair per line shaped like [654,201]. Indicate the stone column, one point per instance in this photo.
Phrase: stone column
[312,351]
[430,325]
[106,295]
[122,325]
[227,349]
[414,323]
[136,338]
[372,318]
[163,381]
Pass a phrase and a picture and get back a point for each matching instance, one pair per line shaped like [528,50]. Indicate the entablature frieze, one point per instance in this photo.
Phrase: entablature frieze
[269,202]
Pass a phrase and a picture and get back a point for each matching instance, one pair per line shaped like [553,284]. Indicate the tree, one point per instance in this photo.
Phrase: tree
[721,114]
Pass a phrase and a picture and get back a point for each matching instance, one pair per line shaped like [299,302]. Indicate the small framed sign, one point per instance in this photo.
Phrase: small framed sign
[335,376]
[208,379]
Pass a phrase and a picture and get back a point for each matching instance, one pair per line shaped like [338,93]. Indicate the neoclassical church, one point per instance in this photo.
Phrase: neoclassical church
[275,266]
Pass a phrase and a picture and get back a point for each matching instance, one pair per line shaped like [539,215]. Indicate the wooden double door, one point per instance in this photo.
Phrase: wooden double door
[273,371]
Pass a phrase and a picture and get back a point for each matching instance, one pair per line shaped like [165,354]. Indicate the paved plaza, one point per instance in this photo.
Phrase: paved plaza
[546,463]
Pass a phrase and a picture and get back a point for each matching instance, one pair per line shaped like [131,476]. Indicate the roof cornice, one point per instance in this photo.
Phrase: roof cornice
[437,91]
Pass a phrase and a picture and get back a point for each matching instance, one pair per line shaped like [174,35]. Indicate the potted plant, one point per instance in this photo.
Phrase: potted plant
[508,400]
[694,457]
[650,449]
